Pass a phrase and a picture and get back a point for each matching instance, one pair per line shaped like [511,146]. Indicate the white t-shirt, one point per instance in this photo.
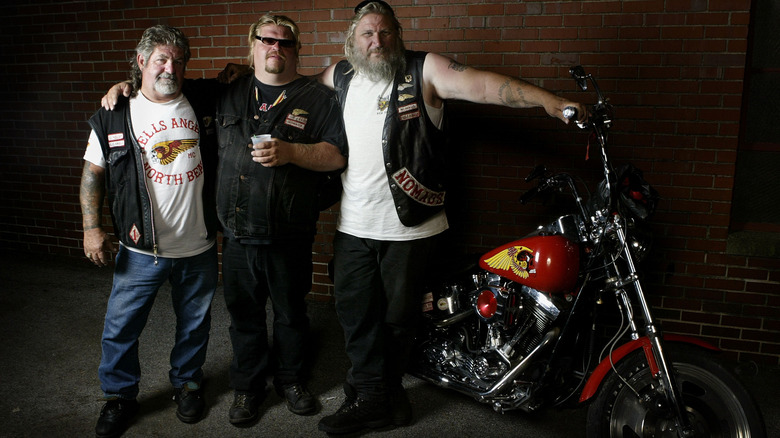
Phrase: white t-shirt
[170,142]
[367,207]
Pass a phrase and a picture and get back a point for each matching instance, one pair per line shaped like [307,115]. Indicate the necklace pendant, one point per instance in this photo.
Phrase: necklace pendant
[381,104]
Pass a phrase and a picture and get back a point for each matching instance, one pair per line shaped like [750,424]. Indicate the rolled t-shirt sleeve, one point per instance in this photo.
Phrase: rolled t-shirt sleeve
[94,154]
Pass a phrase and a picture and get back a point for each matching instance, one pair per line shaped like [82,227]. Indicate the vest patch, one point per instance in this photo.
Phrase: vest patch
[295,121]
[134,234]
[116,140]
[408,112]
[415,190]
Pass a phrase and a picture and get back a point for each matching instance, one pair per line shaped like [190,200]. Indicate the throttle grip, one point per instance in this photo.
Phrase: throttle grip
[570,113]
[527,196]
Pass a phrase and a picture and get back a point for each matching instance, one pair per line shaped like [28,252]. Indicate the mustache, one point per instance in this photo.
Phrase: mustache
[278,54]
[171,76]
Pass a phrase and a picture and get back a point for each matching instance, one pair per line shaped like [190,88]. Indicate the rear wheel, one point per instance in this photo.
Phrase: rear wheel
[716,403]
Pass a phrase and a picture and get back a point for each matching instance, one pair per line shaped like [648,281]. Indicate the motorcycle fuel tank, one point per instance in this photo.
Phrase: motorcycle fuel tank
[546,263]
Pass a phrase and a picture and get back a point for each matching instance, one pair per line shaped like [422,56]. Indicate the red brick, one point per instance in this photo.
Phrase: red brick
[674,71]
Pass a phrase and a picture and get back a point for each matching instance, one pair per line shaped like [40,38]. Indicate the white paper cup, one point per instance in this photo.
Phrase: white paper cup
[260,138]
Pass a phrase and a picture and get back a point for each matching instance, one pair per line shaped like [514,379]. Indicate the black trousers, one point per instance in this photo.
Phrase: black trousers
[378,301]
[251,275]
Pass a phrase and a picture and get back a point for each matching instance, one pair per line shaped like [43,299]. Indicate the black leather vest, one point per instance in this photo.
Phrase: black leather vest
[128,196]
[414,149]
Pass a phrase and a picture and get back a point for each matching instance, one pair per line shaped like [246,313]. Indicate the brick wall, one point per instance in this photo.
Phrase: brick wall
[674,71]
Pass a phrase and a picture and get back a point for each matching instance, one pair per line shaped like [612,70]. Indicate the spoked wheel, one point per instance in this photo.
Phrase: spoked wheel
[716,403]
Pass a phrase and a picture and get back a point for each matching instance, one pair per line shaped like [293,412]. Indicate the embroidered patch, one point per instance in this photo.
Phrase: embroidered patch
[408,112]
[134,234]
[406,108]
[116,140]
[295,121]
[409,184]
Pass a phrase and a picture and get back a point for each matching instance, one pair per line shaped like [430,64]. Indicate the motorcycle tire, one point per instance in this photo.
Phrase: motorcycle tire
[716,402]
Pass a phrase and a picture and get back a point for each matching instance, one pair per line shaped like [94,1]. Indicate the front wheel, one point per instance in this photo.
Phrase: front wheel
[716,403]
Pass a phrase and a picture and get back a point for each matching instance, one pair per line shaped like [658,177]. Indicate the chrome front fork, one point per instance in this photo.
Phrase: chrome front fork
[658,362]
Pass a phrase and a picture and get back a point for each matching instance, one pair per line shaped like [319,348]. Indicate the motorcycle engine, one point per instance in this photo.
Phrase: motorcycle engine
[480,327]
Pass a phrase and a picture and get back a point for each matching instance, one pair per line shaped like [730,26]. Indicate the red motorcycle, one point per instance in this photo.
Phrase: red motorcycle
[560,318]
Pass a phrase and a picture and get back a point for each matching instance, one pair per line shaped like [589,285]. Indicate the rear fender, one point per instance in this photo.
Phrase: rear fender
[595,379]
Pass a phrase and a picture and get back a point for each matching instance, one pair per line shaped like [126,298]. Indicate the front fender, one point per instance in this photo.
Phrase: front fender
[597,376]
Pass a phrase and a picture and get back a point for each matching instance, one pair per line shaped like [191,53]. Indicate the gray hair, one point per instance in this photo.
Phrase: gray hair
[380,8]
[160,35]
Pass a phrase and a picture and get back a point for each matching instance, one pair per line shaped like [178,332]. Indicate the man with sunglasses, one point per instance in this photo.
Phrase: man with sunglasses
[269,195]
[268,200]
[392,207]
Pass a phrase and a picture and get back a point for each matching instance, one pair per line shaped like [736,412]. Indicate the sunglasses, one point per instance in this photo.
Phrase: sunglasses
[268,41]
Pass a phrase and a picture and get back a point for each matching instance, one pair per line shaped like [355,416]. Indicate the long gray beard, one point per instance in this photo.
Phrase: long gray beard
[380,70]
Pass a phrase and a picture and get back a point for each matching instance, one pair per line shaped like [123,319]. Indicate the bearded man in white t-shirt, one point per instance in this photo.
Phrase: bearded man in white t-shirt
[392,206]
[154,157]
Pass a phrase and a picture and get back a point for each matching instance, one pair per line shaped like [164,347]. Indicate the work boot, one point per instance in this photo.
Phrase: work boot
[244,408]
[115,417]
[191,404]
[299,400]
[358,415]
[401,408]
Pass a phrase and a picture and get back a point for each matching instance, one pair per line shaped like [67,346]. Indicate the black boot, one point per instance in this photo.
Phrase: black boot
[244,409]
[299,399]
[360,414]
[115,417]
[191,405]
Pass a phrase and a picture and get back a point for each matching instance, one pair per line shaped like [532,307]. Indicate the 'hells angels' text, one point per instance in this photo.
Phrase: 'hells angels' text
[163,125]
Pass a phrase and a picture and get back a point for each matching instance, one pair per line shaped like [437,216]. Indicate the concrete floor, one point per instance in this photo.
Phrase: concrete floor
[51,318]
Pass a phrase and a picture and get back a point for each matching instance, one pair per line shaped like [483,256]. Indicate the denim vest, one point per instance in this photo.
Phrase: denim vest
[263,204]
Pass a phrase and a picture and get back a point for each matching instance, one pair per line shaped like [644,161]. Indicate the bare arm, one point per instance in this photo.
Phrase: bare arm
[325,77]
[448,79]
[97,246]
[321,157]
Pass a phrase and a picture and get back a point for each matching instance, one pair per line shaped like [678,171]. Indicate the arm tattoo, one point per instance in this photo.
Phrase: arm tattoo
[91,198]
[455,65]
[508,97]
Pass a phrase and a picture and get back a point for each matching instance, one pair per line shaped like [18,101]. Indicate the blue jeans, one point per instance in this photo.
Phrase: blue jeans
[136,282]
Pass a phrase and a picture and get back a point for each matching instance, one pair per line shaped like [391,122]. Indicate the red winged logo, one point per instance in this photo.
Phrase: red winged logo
[167,151]
[517,258]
